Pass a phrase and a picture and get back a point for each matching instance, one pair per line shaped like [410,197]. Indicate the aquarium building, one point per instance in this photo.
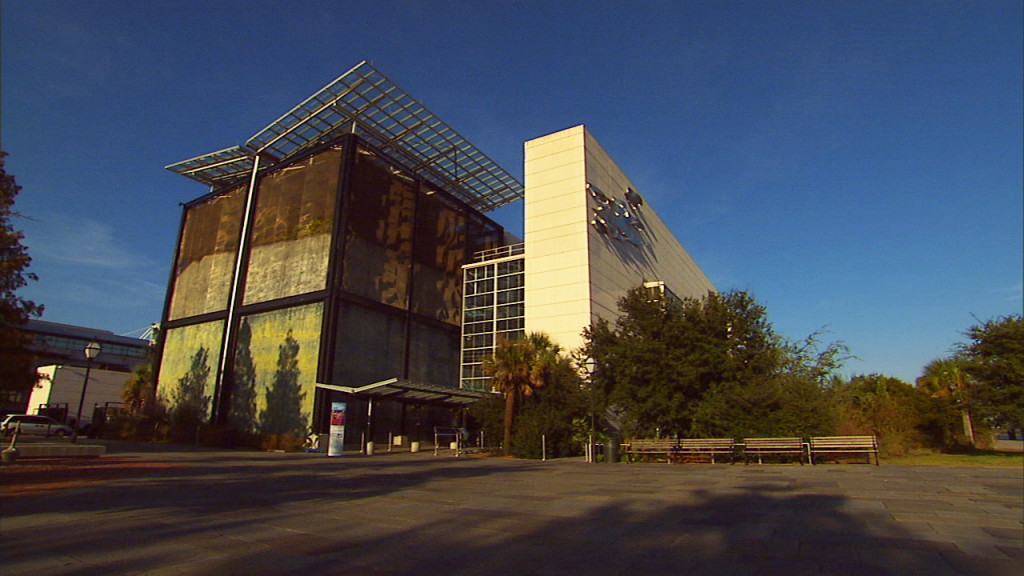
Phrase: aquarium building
[343,253]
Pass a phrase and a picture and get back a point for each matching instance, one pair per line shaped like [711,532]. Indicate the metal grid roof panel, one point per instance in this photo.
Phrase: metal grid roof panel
[217,167]
[366,101]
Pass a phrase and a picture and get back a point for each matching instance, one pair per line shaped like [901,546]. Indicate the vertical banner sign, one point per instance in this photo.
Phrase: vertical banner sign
[336,445]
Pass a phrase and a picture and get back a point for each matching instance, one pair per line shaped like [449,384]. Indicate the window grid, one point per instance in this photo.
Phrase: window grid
[493,308]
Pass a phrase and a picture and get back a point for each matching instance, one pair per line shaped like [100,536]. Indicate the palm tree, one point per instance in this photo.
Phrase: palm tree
[518,367]
[948,377]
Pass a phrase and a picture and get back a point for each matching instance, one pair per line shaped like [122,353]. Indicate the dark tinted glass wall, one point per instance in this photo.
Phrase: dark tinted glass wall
[439,255]
[404,246]
[378,231]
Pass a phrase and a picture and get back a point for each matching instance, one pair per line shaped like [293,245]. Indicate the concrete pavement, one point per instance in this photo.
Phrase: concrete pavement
[215,513]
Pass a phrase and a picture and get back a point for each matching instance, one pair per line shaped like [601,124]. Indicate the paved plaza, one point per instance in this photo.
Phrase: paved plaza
[247,513]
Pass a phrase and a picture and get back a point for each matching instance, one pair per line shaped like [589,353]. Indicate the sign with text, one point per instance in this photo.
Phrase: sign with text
[336,445]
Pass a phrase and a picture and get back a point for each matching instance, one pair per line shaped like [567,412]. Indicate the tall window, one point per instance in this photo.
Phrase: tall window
[493,309]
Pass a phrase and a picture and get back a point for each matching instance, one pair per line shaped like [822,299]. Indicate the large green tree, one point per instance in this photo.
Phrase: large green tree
[17,372]
[996,363]
[553,416]
[517,368]
[685,367]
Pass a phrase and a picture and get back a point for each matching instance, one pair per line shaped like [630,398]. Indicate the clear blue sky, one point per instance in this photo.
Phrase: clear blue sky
[856,166]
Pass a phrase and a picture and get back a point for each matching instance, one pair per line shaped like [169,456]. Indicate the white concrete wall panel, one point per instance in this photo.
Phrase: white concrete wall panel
[557,281]
[617,265]
[63,385]
[574,273]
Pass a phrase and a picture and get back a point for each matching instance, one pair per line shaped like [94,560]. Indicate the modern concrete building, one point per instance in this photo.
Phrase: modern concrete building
[60,389]
[590,238]
[343,254]
[58,352]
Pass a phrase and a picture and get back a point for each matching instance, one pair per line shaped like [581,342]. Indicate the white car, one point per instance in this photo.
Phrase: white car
[36,425]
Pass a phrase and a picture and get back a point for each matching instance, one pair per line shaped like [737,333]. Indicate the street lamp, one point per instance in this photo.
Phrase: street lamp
[589,365]
[92,350]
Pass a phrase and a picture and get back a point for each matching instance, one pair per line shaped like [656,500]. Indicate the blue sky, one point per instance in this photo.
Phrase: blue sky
[856,166]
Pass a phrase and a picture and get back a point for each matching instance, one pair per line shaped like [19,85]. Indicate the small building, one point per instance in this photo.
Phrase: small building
[59,355]
[59,390]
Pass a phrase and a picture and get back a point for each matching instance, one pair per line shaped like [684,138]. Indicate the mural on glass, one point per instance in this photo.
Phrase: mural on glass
[275,371]
[187,370]
[291,232]
[206,255]
[243,393]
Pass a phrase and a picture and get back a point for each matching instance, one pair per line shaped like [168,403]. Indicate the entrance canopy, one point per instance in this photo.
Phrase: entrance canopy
[402,390]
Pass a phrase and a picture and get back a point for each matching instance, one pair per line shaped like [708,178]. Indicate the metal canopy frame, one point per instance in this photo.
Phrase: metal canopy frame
[366,102]
[411,392]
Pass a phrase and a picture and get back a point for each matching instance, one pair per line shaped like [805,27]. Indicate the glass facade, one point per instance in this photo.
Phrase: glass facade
[275,367]
[493,309]
[352,274]
[291,230]
[433,353]
[440,252]
[207,252]
[370,345]
[378,231]
[188,370]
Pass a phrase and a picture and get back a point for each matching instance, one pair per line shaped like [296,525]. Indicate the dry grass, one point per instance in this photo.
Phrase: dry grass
[977,458]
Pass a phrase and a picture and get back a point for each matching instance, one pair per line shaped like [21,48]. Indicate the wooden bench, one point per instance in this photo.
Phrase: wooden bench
[708,447]
[649,446]
[844,445]
[770,446]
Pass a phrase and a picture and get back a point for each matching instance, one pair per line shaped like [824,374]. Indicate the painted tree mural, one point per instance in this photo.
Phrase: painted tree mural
[283,413]
[190,404]
[243,395]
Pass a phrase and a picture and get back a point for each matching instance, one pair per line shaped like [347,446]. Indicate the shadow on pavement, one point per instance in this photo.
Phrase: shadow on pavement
[250,513]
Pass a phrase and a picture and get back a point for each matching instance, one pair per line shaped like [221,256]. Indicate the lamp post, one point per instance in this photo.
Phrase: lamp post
[92,350]
[589,365]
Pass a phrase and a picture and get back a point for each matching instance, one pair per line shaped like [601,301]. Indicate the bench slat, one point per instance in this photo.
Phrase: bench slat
[845,445]
[686,446]
[651,446]
[765,446]
[709,446]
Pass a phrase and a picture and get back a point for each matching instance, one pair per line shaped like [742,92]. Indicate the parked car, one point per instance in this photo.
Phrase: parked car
[36,425]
